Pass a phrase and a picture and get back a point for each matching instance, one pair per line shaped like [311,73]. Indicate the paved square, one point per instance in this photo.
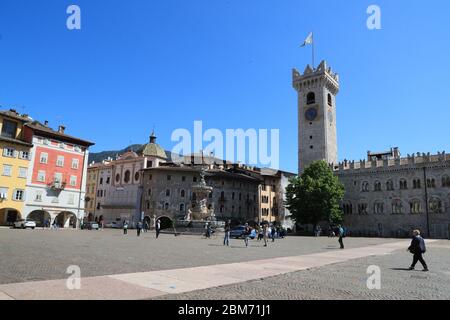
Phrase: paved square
[115,266]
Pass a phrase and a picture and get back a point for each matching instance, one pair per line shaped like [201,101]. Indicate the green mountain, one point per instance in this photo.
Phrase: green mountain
[104,155]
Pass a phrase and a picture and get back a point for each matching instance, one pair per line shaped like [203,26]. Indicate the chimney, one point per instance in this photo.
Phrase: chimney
[61,129]
[46,123]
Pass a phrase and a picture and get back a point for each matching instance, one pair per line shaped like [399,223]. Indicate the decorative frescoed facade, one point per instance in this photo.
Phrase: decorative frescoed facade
[56,183]
[390,197]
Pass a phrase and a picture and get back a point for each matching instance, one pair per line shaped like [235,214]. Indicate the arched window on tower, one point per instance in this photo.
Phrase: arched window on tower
[311,98]
[403,184]
[377,186]
[390,185]
[446,181]
[330,100]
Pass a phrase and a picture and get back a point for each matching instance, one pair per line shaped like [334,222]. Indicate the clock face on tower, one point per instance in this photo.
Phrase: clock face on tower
[311,114]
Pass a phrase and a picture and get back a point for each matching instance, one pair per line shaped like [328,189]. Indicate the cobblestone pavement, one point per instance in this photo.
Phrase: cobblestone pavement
[33,255]
[347,280]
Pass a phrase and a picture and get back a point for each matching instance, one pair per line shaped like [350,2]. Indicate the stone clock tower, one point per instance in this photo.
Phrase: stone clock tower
[317,90]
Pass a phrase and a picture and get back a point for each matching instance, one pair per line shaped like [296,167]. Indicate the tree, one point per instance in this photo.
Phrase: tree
[315,196]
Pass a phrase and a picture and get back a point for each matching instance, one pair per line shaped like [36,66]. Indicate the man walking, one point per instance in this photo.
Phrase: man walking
[139,228]
[265,232]
[226,239]
[418,248]
[146,226]
[158,228]
[273,231]
[341,236]
[247,232]
[125,227]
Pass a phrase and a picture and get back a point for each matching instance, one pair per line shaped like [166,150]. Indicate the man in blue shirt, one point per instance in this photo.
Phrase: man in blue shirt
[341,236]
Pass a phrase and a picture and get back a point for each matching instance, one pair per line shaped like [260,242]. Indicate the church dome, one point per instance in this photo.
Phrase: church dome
[153,149]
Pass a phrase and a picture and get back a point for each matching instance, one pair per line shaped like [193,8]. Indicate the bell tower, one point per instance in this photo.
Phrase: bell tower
[317,90]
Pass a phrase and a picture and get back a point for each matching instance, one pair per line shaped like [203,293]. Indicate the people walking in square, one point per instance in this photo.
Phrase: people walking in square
[158,228]
[265,234]
[418,248]
[226,238]
[273,232]
[341,236]
[261,233]
[139,228]
[146,226]
[125,227]
[247,232]
[207,230]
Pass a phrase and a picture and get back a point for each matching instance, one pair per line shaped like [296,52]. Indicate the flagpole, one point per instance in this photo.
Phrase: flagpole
[312,37]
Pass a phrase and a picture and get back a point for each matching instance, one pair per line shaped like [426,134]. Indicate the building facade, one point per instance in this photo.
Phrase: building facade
[385,195]
[116,185]
[168,192]
[56,183]
[390,197]
[146,185]
[14,165]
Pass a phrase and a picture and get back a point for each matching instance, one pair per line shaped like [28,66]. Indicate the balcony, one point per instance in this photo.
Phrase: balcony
[57,185]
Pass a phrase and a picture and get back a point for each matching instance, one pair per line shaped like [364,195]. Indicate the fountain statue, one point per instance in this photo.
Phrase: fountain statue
[200,211]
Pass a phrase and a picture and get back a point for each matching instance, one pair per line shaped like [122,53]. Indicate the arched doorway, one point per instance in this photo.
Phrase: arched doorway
[39,217]
[8,216]
[166,222]
[66,219]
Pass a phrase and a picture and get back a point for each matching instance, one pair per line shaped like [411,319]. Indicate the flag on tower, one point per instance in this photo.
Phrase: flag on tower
[308,40]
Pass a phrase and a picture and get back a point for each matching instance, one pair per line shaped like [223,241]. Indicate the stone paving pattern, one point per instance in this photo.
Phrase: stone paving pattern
[33,255]
[29,255]
[346,281]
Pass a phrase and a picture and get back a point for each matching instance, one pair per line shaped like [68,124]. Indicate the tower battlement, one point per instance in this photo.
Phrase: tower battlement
[414,160]
[310,77]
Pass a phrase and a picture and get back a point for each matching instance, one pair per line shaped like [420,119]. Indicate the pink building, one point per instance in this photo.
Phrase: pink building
[56,185]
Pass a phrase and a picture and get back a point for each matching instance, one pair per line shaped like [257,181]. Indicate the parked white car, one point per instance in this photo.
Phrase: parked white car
[24,224]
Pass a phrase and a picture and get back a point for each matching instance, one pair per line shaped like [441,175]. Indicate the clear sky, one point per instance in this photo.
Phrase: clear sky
[139,63]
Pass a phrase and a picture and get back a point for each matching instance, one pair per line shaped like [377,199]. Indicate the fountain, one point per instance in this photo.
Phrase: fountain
[197,217]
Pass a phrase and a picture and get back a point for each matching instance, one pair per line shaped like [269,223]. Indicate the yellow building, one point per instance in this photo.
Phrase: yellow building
[15,160]
[269,200]
[93,172]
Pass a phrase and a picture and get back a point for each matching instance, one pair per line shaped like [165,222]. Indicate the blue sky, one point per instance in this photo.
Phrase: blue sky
[138,64]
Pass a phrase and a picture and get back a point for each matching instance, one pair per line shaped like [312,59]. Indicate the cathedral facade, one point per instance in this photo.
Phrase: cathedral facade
[386,195]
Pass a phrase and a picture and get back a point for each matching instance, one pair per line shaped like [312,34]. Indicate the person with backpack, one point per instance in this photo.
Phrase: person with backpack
[418,248]
[341,236]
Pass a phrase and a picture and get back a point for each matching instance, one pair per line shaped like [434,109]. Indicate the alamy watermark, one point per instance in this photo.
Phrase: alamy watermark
[374,280]
[73,22]
[250,146]
[74,280]
[374,19]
